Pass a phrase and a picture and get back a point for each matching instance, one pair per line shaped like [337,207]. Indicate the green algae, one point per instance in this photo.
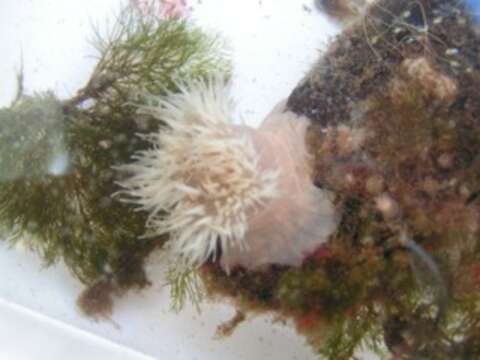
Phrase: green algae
[57,156]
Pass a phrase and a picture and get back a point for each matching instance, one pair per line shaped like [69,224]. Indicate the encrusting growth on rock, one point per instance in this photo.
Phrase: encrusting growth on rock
[394,138]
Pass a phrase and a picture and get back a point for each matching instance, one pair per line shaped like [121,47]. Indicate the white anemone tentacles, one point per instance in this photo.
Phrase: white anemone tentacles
[201,179]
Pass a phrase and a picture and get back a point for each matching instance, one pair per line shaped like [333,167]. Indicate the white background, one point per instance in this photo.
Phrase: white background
[273,43]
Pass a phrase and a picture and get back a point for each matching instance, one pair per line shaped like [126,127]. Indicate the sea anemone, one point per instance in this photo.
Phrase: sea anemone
[220,189]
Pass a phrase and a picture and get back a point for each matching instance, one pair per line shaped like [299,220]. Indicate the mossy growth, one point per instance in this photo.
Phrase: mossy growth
[395,111]
[185,286]
[57,157]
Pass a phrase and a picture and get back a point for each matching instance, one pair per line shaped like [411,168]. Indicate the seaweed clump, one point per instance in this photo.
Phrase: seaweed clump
[58,156]
[395,109]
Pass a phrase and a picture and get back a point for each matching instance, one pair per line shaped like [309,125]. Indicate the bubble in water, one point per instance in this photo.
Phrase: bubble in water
[59,164]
